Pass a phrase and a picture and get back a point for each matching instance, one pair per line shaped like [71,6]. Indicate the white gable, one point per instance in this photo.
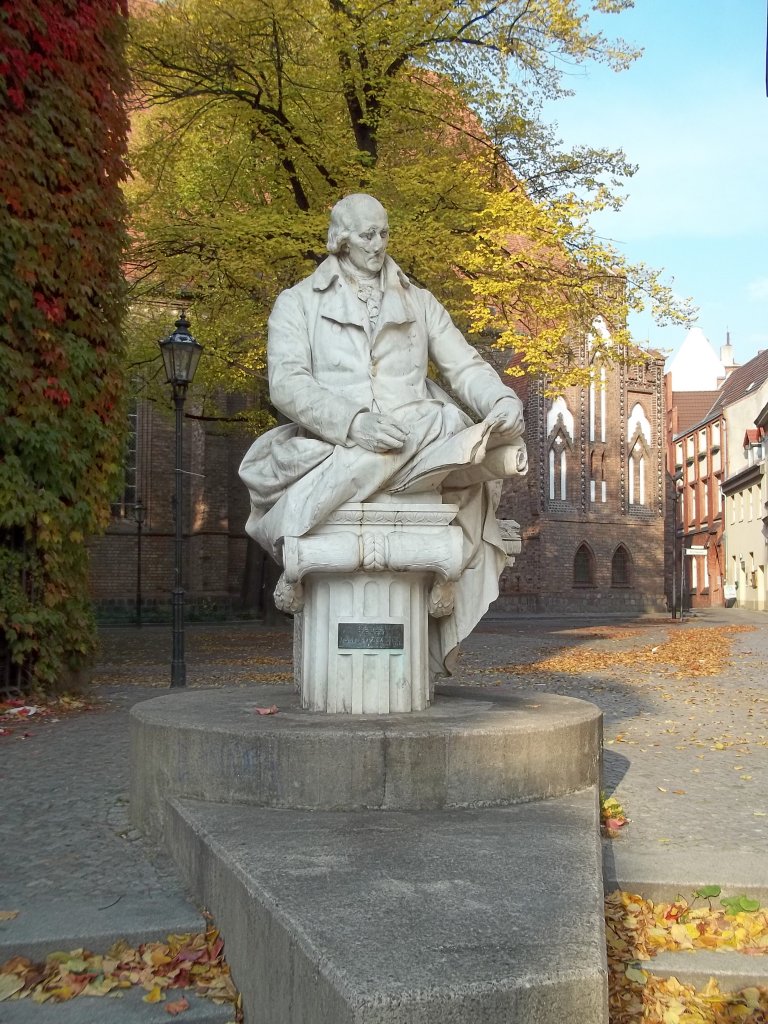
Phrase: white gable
[696,366]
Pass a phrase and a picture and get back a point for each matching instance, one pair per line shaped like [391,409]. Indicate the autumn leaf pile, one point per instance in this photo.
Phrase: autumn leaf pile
[163,969]
[637,929]
[692,652]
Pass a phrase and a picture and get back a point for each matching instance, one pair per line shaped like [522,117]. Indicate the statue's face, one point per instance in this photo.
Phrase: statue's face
[366,246]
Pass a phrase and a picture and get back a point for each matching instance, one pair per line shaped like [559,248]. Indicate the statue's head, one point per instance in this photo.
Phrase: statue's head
[359,229]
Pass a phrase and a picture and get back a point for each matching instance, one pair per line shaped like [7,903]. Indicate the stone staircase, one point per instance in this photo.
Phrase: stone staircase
[412,901]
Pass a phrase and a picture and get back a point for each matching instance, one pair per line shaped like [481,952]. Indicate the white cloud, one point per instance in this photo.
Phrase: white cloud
[757,290]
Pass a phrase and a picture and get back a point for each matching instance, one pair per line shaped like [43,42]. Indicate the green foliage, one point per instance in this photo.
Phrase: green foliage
[738,904]
[62,78]
[254,118]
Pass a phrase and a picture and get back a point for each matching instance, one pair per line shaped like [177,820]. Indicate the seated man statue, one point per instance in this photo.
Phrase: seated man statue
[349,350]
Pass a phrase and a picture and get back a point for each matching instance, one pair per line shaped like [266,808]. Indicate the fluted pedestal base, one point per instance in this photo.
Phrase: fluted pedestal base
[362,588]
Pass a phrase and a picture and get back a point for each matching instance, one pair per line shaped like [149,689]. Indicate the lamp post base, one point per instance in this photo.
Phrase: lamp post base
[178,664]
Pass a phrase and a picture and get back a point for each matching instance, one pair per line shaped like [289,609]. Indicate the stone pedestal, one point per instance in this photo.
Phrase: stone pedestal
[362,587]
[387,869]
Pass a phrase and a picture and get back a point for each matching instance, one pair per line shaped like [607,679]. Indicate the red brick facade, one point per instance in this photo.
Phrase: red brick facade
[215,509]
[591,509]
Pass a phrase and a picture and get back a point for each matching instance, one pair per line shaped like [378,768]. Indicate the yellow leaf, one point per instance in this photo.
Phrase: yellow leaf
[752,998]
[10,984]
[682,936]
[637,975]
[155,995]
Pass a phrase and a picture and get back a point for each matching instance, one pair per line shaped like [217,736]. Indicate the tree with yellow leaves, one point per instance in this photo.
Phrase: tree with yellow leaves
[254,116]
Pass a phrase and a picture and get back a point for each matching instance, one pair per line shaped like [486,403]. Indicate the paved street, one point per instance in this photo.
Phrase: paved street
[687,755]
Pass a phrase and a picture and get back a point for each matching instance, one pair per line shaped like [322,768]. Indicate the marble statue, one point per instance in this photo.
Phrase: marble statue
[349,349]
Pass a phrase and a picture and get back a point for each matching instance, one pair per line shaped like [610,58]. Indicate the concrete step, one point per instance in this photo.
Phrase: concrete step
[403,917]
[664,873]
[47,924]
[126,1009]
[734,971]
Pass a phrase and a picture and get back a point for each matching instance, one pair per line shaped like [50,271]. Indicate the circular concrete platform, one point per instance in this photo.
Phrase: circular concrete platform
[471,748]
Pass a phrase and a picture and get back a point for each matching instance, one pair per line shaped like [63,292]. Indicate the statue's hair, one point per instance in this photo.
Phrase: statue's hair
[342,222]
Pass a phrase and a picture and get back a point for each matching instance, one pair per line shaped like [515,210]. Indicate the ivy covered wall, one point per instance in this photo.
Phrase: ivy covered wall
[62,136]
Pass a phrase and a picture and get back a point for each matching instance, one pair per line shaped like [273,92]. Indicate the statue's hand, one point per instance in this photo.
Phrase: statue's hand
[507,416]
[376,433]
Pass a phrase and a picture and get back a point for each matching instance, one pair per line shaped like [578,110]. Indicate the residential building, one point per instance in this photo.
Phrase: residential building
[696,443]
[743,400]
[695,550]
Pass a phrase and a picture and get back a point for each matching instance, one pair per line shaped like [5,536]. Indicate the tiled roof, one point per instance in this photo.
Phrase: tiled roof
[692,407]
[753,435]
[743,380]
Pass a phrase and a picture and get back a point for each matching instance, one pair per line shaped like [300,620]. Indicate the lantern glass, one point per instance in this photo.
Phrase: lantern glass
[181,354]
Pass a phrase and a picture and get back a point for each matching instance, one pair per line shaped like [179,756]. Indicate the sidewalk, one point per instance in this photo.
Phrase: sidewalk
[686,755]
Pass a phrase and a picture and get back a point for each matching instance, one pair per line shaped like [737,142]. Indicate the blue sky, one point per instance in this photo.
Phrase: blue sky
[692,112]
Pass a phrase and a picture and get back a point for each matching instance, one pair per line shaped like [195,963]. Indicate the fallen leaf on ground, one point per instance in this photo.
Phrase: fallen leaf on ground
[637,929]
[271,710]
[177,1006]
[193,962]
[8,915]
[10,984]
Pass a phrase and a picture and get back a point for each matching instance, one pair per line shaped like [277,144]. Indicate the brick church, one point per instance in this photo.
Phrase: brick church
[591,509]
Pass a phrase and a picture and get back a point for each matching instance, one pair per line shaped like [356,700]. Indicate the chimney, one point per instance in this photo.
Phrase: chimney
[726,356]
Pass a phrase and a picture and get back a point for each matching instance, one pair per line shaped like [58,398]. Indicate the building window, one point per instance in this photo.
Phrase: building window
[125,502]
[558,471]
[639,433]
[584,567]
[637,475]
[694,574]
[560,431]
[705,515]
[621,565]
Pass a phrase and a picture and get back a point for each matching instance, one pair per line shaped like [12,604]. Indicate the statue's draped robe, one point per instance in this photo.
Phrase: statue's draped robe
[326,365]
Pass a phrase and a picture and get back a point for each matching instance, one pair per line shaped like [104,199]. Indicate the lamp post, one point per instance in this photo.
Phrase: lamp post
[139,513]
[181,354]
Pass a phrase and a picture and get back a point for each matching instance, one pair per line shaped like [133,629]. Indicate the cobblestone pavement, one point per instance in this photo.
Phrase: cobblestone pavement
[686,754]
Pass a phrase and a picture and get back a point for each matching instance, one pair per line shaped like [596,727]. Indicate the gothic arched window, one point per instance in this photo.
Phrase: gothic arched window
[560,431]
[584,567]
[639,433]
[621,567]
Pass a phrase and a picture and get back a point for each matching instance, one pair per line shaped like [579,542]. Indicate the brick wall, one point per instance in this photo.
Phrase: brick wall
[601,433]
[597,433]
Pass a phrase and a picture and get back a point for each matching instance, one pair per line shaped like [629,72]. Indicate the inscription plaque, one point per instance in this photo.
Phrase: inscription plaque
[371,636]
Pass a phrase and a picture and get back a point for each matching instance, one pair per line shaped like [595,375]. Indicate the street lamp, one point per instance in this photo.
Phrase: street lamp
[181,354]
[139,514]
